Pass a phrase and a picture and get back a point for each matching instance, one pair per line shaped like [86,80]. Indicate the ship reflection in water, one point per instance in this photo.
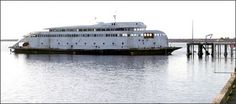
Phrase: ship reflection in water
[60,78]
[111,62]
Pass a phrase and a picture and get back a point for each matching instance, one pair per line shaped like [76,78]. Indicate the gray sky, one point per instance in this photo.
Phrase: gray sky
[173,17]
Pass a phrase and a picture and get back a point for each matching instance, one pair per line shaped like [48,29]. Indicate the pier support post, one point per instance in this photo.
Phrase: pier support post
[215,51]
[231,51]
[200,46]
[225,53]
[206,50]
[220,50]
[188,50]
[212,50]
[193,50]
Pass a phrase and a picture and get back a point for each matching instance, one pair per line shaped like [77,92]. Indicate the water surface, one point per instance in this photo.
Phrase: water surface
[60,78]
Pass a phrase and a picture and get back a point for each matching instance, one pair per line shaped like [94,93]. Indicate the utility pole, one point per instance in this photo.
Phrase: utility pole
[192,40]
[192,31]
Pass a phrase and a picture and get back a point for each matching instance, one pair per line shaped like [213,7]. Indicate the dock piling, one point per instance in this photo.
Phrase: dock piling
[200,46]
[225,53]
[210,49]
[231,52]
[188,50]
[220,50]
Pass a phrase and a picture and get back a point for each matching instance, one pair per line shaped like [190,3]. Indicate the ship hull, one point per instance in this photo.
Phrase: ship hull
[160,51]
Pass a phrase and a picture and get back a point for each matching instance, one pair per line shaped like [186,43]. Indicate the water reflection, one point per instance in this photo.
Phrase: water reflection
[96,78]
[126,62]
[221,65]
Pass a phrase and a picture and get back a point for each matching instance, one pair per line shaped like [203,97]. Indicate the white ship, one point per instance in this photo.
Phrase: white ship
[116,38]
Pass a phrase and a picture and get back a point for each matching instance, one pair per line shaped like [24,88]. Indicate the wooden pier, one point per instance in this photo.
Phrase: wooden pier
[213,48]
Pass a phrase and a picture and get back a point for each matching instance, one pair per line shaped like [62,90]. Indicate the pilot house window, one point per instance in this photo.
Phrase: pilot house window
[148,35]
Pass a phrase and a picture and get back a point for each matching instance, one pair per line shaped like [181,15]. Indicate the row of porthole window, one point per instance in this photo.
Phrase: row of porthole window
[93,43]
[67,35]
[96,35]
[86,43]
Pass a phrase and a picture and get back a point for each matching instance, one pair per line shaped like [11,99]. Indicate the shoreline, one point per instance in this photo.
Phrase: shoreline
[9,39]
[201,40]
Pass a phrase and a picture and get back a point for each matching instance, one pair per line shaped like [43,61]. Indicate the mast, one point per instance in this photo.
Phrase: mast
[114,16]
[95,19]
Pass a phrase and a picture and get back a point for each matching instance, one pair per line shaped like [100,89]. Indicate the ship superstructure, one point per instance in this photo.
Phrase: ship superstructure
[101,38]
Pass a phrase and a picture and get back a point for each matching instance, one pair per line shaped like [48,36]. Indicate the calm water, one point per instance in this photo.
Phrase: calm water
[88,78]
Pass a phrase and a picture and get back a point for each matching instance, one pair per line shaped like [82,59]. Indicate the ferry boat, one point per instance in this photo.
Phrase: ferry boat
[115,38]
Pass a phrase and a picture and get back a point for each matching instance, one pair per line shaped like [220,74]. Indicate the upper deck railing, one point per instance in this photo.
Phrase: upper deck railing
[117,26]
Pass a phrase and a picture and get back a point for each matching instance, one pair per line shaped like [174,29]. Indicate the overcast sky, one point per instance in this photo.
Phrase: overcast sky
[172,17]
